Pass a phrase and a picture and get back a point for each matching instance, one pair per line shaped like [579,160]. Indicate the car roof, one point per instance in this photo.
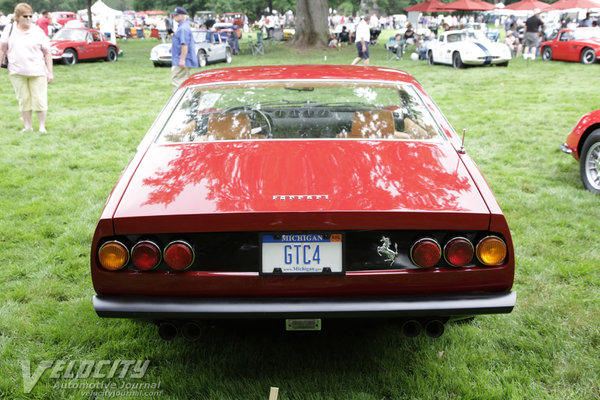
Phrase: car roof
[299,72]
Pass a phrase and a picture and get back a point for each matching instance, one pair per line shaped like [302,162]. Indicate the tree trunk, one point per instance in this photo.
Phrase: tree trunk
[311,23]
[88,5]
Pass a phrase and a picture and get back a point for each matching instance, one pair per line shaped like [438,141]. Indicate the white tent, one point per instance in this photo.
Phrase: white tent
[105,16]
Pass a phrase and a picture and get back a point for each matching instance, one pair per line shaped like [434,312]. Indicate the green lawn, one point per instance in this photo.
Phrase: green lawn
[54,186]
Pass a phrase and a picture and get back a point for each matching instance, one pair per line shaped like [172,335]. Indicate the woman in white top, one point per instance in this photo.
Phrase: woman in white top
[29,65]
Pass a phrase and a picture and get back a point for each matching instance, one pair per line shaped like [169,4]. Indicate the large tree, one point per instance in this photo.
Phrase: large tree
[311,23]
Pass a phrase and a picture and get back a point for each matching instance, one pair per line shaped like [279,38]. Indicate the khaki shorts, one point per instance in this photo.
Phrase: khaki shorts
[178,76]
[31,91]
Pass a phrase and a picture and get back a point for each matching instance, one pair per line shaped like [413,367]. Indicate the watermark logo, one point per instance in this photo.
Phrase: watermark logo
[85,369]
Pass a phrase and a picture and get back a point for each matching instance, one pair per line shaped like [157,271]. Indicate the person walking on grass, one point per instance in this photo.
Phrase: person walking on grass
[183,49]
[363,35]
[532,34]
[29,65]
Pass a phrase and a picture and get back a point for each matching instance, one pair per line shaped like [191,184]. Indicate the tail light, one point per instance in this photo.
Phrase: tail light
[491,250]
[145,255]
[113,255]
[459,252]
[179,255]
[425,253]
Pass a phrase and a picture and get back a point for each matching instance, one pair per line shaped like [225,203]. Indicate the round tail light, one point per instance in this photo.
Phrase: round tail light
[459,252]
[491,250]
[145,255]
[179,255]
[425,253]
[113,255]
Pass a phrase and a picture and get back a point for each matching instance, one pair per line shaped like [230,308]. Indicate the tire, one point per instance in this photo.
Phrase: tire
[546,54]
[228,56]
[156,64]
[503,64]
[112,55]
[72,60]
[430,58]
[588,56]
[201,58]
[457,61]
[589,163]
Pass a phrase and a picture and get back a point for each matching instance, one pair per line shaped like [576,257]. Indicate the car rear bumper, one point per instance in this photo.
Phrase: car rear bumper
[565,149]
[148,307]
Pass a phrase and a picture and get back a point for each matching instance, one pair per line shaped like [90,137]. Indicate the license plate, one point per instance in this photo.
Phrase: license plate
[303,324]
[301,253]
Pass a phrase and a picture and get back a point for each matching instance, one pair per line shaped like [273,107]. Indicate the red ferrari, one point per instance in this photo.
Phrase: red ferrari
[577,44]
[583,143]
[74,44]
[301,193]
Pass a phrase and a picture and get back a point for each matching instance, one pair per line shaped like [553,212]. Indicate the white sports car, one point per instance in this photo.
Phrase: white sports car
[210,48]
[467,47]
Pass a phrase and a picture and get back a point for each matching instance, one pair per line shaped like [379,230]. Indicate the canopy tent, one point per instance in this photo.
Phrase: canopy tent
[574,4]
[428,6]
[468,5]
[101,9]
[107,17]
[528,5]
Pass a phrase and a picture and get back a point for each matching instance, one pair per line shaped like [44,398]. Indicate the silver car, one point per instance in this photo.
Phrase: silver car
[210,48]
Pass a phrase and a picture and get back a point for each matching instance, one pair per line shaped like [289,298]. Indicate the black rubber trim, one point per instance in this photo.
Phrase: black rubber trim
[121,306]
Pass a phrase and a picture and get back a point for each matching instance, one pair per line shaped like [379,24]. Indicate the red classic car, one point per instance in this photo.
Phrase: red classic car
[62,17]
[301,193]
[577,44]
[73,44]
[583,143]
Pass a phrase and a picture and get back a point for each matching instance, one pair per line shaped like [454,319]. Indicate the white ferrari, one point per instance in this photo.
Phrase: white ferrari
[467,47]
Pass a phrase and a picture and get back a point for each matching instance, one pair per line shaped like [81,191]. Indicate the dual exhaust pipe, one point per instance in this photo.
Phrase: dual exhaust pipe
[434,328]
[169,330]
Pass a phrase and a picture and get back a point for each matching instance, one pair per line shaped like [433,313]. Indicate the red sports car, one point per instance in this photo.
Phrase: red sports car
[583,143]
[74,44]
[577,44]
[301,193]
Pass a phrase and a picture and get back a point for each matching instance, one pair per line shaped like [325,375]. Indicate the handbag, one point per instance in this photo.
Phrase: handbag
[5,61]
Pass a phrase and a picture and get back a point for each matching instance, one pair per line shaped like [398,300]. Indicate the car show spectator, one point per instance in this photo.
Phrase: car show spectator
[44,21]
[363,36]
[29,64]
[409,34]
[396,45]
[587,21]
[513,44]
[532,34]
[183,49]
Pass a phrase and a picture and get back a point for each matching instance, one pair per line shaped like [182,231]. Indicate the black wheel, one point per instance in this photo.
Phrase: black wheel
[156,64]
[201,58]
[503,64]
[589,164]
[457,61]
[111,55]
[547,54]
[228,56]
[430,58]
[588,56]
[261,122]
[70,57]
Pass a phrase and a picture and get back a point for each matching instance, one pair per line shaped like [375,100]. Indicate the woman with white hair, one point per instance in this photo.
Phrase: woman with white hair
[29,65]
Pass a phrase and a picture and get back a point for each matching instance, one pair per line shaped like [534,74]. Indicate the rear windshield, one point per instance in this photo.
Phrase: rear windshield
[300,110]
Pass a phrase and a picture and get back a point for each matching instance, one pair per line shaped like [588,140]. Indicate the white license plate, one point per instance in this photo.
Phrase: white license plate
[301,253]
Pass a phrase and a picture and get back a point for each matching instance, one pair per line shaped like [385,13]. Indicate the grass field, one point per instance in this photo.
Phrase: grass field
[53,188]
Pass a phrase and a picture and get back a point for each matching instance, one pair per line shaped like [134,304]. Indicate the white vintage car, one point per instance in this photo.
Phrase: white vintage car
[467,47]
[210,48]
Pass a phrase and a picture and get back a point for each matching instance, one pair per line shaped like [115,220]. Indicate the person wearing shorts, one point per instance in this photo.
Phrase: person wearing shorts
[532,34]
[363,35]
[29,65]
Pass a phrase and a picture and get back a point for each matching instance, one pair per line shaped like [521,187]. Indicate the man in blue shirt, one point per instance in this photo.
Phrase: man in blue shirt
[183,49]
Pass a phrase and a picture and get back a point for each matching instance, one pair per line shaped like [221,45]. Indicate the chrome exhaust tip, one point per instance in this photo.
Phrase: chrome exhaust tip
[411,328]
[167,330]
[434,328]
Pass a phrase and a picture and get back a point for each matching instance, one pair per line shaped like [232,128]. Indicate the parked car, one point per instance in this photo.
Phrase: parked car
[583,143]
[301,193]
[60,18]
[210,48]
[576,44]
[235,18]
[71,45]
[467,47]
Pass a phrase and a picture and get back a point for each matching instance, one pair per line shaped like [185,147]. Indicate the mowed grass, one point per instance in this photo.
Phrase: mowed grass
[53,188]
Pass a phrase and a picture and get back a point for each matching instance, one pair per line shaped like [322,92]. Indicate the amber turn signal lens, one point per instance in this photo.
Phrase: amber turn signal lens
[179,255]
[113,255]
[459,252]
[425,253]
[491,250]
[145,255]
